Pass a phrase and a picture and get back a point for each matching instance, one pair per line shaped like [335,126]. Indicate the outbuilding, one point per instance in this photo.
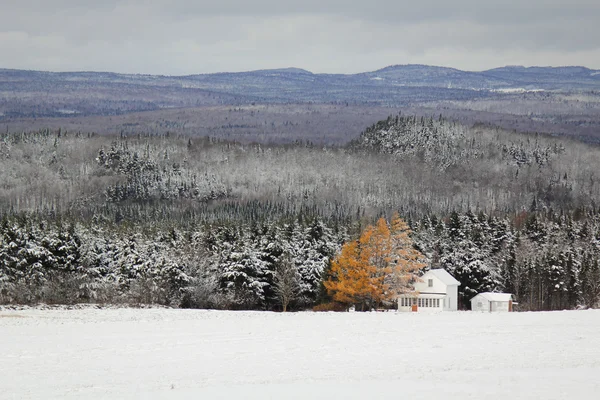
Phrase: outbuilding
[492,302]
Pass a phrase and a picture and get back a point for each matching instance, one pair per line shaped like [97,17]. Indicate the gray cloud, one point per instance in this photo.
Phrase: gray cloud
[185,36]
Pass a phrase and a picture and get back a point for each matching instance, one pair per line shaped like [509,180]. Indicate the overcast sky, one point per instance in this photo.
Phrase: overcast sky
[346,36]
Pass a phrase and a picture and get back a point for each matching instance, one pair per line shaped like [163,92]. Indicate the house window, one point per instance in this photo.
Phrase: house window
[430,282]
[479,304]
[437,303]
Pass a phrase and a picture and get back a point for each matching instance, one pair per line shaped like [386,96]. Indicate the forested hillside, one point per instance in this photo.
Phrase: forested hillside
[35,94]
[205,223]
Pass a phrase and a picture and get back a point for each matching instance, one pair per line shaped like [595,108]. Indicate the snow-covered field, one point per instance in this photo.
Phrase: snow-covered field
[166,354]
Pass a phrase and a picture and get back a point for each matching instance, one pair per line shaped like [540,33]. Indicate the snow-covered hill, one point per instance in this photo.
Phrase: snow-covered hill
[160,354]
[397,85]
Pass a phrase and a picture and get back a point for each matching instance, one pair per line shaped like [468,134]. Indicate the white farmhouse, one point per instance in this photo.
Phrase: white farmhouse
[492,302]
[437,290]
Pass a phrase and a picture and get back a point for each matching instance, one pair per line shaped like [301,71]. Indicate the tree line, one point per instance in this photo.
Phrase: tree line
[550,261]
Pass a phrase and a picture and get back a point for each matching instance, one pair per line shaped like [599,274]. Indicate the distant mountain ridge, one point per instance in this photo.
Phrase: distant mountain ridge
[557,78]
[549,78]
[38,93]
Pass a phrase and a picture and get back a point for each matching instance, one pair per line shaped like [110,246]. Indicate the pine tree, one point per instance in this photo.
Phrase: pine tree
[590,281]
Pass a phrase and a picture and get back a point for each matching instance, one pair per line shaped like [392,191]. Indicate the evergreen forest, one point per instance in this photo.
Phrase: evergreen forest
[193,222]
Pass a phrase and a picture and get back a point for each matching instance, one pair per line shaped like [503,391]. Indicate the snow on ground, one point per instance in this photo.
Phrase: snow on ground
[176,354]
[517,90]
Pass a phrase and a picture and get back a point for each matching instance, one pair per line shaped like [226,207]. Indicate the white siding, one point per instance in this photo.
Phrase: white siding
[402,306]
[478,303]
[447,294]
[451,298]
[500,306]
[424,303]
[430,309]
[491,302]
[422,286]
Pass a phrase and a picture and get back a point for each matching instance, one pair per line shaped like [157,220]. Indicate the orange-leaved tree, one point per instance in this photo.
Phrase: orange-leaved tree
[350,280]
[377,267]
[407,261]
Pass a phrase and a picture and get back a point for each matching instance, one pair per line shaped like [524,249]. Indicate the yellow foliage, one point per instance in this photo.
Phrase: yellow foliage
[377,267]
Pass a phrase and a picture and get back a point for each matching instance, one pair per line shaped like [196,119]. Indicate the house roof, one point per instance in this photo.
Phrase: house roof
[423,295]
[495,296]
[444,276]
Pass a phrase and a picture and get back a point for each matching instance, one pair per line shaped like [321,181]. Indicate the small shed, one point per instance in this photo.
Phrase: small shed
[492,302]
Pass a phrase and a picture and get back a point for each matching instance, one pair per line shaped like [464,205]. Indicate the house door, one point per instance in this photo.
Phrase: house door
[415,308]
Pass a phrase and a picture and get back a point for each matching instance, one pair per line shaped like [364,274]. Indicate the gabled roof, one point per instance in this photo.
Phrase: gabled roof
[495,296]
[444,276]
[414,295]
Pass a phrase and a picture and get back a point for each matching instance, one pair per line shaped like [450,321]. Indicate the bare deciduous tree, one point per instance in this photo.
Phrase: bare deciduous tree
[286,282]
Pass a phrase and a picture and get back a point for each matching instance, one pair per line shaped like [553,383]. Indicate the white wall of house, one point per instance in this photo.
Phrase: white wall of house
[422,286]
[424,303]
[431,286]
[405,303]
[431,305]
[451,300]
